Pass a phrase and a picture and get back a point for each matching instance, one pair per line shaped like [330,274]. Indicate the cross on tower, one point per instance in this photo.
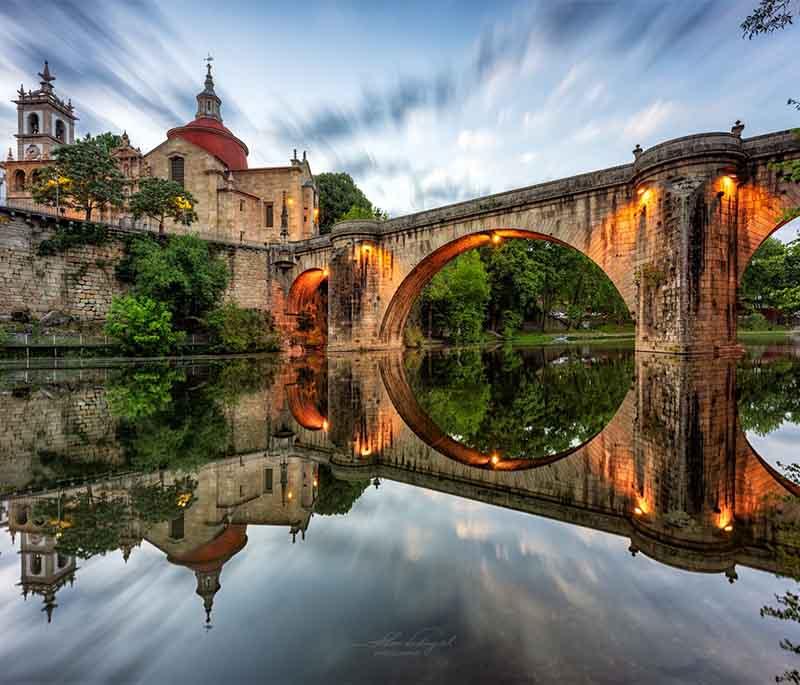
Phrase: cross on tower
[208,60]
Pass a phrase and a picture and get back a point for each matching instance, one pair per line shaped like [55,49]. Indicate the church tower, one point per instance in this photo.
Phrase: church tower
[208,103]
[44,121]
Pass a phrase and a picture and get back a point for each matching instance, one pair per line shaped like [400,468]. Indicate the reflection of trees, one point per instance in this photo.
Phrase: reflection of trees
[336,496]
[768,395]
[168,420]
[85,524]
[521,404]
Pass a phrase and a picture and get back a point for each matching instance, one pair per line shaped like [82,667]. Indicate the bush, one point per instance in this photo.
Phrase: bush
[413,336]
[235,330]
[755,322]
[142,326]
[183,273]
[512,322]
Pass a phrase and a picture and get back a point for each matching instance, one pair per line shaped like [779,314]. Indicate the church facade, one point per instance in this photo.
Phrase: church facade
[234,202]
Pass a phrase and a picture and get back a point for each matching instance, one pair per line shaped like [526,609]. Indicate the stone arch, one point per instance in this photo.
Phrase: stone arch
[19,180]
[308,301]
[764,207]
[61,131]
[33,123]
[401,302]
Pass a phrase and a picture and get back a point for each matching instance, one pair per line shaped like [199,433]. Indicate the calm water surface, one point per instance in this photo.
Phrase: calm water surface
[517,516]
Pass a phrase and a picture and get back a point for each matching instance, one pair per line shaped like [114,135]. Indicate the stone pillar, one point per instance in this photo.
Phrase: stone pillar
[686,245]
[360,273]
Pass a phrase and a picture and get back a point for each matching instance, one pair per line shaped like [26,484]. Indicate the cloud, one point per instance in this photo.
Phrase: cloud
[649,120]
[476,140]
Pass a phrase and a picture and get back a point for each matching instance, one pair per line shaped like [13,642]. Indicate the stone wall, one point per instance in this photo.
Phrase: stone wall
[81,282]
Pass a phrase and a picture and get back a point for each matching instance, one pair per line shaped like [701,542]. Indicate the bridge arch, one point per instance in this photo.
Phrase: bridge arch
[401,303]
[307,303]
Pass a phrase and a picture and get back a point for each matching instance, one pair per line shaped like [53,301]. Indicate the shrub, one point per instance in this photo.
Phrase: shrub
[413,336]
[756,322]
[512,322]
[142,326]
[235,329]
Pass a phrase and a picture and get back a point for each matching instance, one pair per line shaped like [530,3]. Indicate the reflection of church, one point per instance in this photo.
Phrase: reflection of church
[232,494]
[234,201]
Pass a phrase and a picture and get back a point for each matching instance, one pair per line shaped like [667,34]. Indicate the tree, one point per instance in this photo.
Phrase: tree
[161,199]
[356,212]
[336,496]
[236,329]
[84,176]
[768,16]
[182,273]
[457,298]
[142,326]
[338,194]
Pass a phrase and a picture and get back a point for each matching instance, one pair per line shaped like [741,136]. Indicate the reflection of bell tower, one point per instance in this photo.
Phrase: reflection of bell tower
[44,570]
[207,586]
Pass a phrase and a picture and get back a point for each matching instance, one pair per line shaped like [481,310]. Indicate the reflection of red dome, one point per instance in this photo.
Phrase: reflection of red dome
[211,135]
[213,554]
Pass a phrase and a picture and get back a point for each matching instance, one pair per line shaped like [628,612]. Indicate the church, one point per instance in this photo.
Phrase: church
[234,202]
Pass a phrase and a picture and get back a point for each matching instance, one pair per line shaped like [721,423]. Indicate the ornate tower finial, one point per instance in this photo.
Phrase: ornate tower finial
[46,77]
[637,151]
[737,128]
[208,104]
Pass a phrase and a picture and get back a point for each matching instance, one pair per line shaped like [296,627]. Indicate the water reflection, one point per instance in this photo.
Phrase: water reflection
[193,462]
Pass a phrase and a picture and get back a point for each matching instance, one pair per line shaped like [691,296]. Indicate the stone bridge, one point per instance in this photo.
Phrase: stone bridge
[673,231]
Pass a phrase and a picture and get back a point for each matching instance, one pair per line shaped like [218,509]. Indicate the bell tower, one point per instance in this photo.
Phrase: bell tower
[44,121]
[208,103]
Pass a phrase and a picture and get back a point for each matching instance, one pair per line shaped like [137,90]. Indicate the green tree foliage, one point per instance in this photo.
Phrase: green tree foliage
[162,199]
[142,326]
[769,16]
[772,279]
[84,525]
[236,330]
[336,496]
[181,272]
[356,212]
[457,297]
[180,433]
[523,404]
[156,503]
[338,194]
[527,279]
[84,176]
[768,395]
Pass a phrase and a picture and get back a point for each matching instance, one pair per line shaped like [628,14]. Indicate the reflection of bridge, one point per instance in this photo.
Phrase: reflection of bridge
[674,232]
[671,471]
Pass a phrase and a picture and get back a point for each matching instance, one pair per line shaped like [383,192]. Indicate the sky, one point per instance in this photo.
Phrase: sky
[423,103]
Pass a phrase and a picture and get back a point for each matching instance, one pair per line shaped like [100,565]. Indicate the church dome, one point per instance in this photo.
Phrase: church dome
[208,132]
[216,139]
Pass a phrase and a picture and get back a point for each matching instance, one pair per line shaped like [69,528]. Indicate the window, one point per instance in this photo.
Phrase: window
[19,180]
[268,481]
[33,123]
[60,131]
[241,205]
[62,561]
[269,215]
[176,169]
[176,528]
[36,564]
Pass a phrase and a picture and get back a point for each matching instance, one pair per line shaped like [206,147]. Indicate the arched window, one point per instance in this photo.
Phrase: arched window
[35,176]
[19,180]
[60,130]
[36,564]
[33,123]
[22,516]
[62,561]
[176,169]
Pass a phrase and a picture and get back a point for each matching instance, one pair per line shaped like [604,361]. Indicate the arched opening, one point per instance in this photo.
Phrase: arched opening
[19,180]
[308,305]
[22,516]
[33,123]
[497,423]
[36,177]
[60,131]
[590,283]
[36,564]
[768,294]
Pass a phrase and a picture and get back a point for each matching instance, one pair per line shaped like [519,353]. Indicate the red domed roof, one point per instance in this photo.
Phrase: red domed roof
[210,134]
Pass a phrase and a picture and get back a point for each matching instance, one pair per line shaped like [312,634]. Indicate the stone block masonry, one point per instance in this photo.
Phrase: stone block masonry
[81,281]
